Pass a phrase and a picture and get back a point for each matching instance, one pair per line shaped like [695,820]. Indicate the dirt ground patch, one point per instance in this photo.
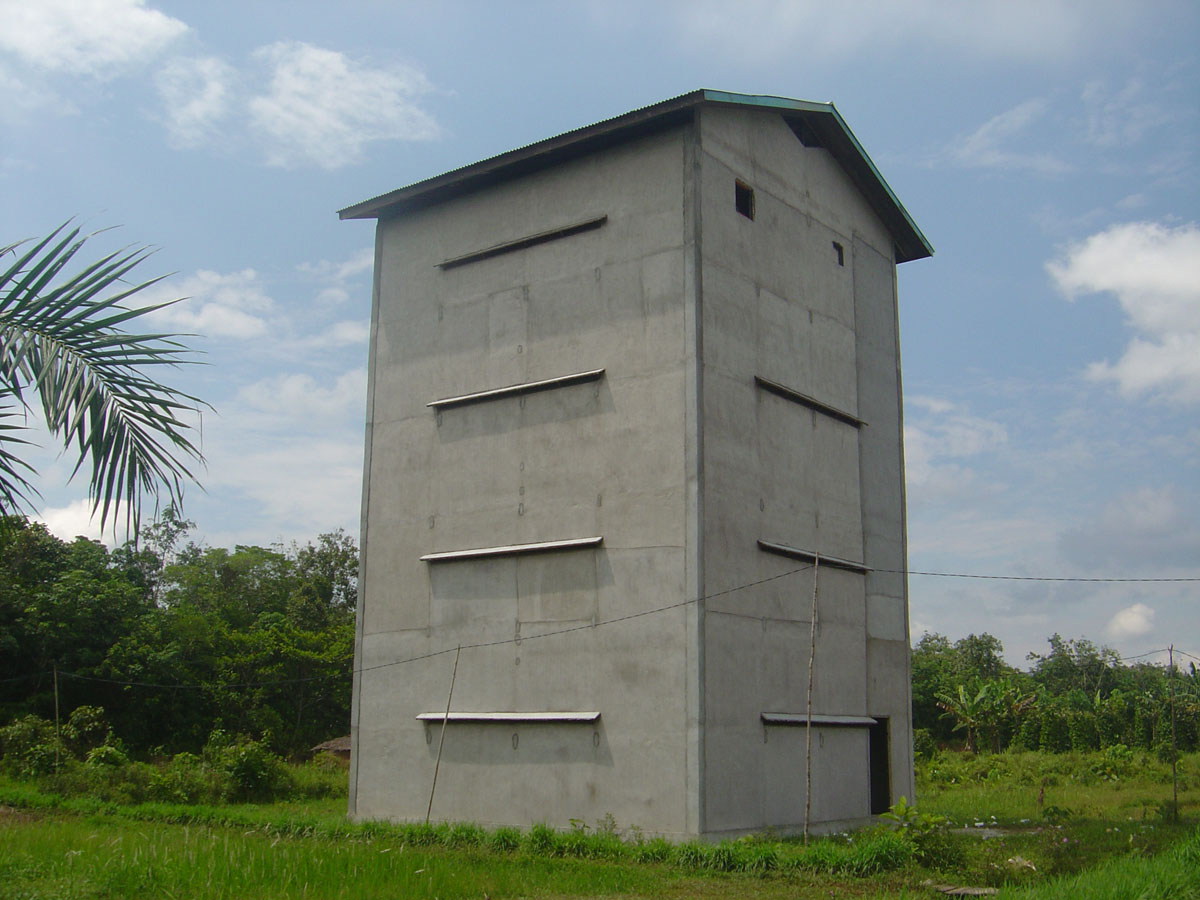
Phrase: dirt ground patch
[12,816]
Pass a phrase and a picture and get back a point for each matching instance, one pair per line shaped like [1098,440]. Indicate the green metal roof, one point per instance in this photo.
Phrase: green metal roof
[819,122]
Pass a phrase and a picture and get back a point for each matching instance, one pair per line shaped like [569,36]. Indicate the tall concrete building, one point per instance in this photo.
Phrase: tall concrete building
[634,408]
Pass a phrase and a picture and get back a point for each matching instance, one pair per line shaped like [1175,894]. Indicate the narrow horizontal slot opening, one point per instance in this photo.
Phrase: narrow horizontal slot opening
[831,562]
[515,549]
[787,393]
[523,243]
[513,390]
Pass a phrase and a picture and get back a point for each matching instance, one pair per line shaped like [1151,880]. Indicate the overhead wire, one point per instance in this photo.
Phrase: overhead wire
[586,626]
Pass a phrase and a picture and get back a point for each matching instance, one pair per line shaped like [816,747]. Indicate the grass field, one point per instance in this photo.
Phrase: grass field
[1102,829]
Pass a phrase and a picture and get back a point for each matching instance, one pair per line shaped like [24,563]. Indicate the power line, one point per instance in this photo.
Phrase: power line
[592,625]
[1041,577]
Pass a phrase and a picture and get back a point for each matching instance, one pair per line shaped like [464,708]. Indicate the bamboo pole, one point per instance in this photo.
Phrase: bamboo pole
[442,741]
[57,725]
[812,656]
[1174,742]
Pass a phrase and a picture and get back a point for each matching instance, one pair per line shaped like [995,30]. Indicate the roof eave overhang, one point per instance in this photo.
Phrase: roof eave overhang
[821,119]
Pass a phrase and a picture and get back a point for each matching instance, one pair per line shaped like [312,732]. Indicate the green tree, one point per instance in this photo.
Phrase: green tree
[66,357]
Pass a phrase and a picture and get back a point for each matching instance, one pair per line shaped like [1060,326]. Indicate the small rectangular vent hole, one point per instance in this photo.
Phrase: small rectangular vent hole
[841,253]
[743,199]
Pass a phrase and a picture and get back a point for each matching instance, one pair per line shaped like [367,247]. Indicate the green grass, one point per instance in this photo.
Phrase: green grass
[52,855]
[1106,838]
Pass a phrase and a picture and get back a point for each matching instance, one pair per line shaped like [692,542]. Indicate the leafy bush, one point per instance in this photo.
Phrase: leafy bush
[28,747]
[85,730]
[107,755]
[253,771]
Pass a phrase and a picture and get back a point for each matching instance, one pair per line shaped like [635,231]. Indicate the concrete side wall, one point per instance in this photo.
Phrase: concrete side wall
[881,459]
[604,458]
[778,304]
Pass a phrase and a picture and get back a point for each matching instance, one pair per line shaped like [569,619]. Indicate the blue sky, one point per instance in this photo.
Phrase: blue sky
[1051,347]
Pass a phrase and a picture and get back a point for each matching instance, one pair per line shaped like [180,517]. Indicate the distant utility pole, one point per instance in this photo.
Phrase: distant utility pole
[1174,742]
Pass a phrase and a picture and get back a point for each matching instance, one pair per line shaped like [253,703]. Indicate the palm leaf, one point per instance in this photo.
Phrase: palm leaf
[63,345]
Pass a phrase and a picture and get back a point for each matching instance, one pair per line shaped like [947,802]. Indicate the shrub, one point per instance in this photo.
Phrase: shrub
[252,771]
[107,755]
[28,747]
[465,834]
[542,840]
[923,743]
[85,730]
[504,840]
[653,850]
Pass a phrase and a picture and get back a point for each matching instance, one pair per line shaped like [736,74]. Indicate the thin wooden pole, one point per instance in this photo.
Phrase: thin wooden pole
[812,656]
[1174,743]
[57,726]
[442,741]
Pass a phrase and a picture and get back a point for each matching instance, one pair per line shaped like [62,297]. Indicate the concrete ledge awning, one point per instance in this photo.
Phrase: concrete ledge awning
[514,549]
[774,718]
[510,717]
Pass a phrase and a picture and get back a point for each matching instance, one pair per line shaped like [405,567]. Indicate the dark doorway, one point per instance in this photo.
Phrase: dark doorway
[881,769]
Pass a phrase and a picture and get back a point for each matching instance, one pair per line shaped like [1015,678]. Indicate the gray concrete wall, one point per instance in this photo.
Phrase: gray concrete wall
[778,305]
[881,459]
[605,458]
[674,457]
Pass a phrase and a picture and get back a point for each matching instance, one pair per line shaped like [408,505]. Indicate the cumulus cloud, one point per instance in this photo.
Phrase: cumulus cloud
[1011,29]
[234,305]
[322,108]
[329,471]
[84,36]
[196,95]
[991,144]
[76,519]
[938,439]
[338,277]
[300,399]
[1132,621]
[290,429]
[1154,272]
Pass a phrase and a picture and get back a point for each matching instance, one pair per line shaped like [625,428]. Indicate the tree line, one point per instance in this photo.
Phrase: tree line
[174,639]
[1076,696]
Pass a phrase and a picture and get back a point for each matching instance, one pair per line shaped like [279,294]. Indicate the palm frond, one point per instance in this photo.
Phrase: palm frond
[63,341]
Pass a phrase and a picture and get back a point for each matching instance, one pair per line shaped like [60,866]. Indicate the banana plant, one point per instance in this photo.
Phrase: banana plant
[971,707]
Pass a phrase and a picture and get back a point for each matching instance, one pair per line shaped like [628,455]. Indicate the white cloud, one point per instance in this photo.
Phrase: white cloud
[84,36]
[322,107]
[989,146]
[338,276]
[196,94]
[233,305]
[305,485]
[298,399]
[20,96]
[936,442]
[1154,271]
[1130,622]
[350,331]
[75,519]
[1011,29]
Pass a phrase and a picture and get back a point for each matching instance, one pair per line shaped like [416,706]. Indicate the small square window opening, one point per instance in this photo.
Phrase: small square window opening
[743,199]
[841,253]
